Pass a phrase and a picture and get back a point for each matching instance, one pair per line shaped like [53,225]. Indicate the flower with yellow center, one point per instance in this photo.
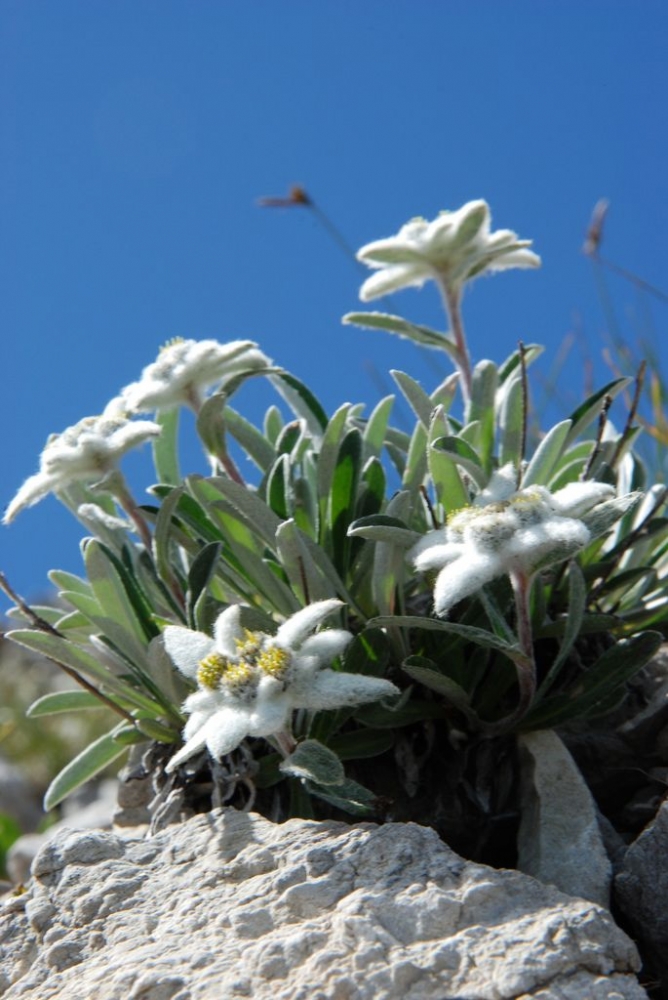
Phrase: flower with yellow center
[249,683]
[506,531]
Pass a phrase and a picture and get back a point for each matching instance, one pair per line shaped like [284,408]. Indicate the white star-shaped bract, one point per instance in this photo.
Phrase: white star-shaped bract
[249,683]
[183,370]
[86,452]
[452,249]
[506,531]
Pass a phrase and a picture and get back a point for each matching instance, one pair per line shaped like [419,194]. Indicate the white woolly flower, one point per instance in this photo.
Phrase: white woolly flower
[183,370]
[454,248]
[249,683]
[506,531]
[87,452]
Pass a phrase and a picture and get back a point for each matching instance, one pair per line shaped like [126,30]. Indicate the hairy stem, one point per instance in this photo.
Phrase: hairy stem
[452,299]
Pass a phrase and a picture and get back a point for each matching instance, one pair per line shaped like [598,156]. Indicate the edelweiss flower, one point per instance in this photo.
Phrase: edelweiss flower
[183,369]
[454,248]
[250,682]
[86,452]
[506,531]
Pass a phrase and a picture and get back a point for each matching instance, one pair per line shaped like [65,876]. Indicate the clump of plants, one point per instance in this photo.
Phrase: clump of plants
[363,625]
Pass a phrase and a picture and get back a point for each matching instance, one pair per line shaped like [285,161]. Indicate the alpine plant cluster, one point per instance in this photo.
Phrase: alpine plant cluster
[359,580]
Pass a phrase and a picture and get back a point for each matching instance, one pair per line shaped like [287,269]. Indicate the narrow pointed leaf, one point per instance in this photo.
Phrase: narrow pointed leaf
[85,766]
[63,701]
[547,455]
[165,448]
[423,335]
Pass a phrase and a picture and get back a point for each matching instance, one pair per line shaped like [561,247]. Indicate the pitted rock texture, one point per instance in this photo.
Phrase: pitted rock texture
[228,905]
[642,890]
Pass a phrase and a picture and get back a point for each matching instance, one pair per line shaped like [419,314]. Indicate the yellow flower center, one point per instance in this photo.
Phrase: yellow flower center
[211,669]
[274,661]
[253,656]
[249,646]
[215,668]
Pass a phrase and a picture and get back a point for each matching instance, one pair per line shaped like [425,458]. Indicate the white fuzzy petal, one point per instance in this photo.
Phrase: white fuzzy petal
[193,746]
[226,729]
[438,556]
[392,278]
[325,646]
[227,629]
[186,648]
[298,626]
[576,499]
[464,577]
[330,689]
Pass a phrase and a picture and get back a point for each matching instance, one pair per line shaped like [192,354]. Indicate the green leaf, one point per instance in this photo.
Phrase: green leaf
[513,363]
[464,456]
[85,766]
[120,598]
[273,424]
[601,518]
[349,796]
[388,560]
[68,581]
[598,684]
[407,714]
[278,487]
[327,459]
[64,651]
[422,670]
[306,579]
[511,425]
[246,503]
[416,460]
[368,653]
[589,411]
[63,701]
[165,447]
[372,496]
[316,762]
[201,571]
[577,603]
[376,426]
[482,409]
[301,400]
[417,398]
[343,498]
[163,533]
[448,485]
[478,636]
[547,455]
[423,335]
[382,528]
[361,744]
[254,443]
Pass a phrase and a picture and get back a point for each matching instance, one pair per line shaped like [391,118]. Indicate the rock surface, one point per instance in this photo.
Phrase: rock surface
[559,840]
[228,905]
[642,890]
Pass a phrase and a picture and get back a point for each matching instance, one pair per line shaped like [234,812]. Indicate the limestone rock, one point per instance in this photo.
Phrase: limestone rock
[641,890]
[559,839]
[229,905]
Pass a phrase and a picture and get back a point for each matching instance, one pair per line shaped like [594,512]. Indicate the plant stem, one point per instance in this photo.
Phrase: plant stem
[452,299]
[526,673]
[119,488]
[42,625]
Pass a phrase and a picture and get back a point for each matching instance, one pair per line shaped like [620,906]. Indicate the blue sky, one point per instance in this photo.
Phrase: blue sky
[136,137]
